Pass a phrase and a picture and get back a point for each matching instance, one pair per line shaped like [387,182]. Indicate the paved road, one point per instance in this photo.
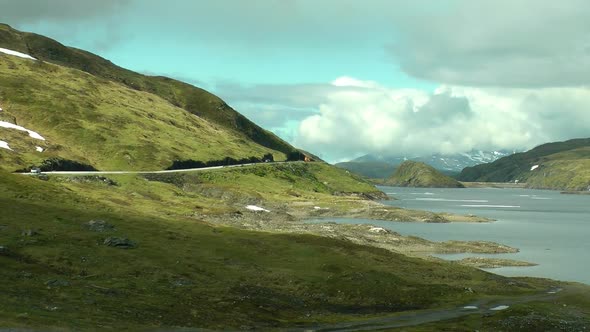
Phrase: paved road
[151,172]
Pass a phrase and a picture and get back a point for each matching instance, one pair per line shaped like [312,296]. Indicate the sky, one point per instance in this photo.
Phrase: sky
[344,78]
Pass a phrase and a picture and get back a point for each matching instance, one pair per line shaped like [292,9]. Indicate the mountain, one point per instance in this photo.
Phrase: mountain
[85,108]
[369,169]
[559,165]
[418,174]
[444,162]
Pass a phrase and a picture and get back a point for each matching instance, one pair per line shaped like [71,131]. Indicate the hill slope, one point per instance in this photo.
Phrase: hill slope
[91,111]
[194,100]
[559,165]
[417,174]
[58,269]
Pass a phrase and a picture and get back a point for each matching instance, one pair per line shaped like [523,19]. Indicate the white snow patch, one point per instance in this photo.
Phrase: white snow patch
[317,207]
[4,145]
[377,230]
[534,167]
[15,53]
[256,208]
[13,126]
[39,149]
[470,307]
[500,307]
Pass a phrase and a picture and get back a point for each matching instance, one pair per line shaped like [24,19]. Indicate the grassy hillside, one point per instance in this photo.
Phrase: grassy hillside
[371,169]
[192,99]
[57,270]
[103,123]
[417,174]
[560,165]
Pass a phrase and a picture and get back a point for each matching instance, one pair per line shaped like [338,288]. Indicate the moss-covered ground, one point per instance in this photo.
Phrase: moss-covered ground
[185,272]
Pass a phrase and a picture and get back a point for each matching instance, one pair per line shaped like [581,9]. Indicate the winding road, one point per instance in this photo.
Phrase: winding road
[153,172]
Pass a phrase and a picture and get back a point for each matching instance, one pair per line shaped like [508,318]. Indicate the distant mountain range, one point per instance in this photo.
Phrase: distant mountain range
[558,165]
[451,162]
[383,166]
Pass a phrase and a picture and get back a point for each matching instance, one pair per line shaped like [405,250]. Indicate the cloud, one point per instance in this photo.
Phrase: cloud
[504,43]
[453,119]
[350,117]
[32,11]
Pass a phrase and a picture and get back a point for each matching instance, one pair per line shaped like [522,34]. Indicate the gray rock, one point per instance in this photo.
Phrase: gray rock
[119,242]
[29,232]
[181,283]
[4,251]
[99,226]
[53,283]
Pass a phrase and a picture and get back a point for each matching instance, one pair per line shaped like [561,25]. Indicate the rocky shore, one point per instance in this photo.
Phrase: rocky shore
[293,217]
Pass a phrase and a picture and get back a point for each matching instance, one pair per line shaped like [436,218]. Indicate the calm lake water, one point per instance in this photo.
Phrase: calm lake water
[549,228]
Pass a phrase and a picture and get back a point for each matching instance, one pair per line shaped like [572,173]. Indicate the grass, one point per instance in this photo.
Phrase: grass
[189,273]
[191,99]
[104,124]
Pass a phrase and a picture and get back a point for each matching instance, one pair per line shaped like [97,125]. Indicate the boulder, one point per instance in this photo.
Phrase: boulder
[29,232]
[4,251]
[99,226]
[119,242]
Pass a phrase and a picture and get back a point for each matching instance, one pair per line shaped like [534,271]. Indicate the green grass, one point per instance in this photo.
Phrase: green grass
[104,124]
[188,273]
[192,99]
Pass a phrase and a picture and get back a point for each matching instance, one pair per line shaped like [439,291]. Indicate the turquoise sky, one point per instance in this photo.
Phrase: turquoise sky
[420,76]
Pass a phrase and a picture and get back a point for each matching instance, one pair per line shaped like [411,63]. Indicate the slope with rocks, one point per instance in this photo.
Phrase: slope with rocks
[417,174]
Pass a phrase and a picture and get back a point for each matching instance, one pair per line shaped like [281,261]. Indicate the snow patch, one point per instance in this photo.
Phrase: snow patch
[256,208]
[377,230]
[470,307]
[39,149]
[15,53]
[500,307]
[4,145]
[13,126]
[534,167]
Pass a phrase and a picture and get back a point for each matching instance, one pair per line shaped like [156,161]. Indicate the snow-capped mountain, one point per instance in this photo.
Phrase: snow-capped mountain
[451,163]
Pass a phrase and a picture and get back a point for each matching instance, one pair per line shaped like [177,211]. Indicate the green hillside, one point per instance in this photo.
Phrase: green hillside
[59,270]
[149,121]
[560,165]
[417,174]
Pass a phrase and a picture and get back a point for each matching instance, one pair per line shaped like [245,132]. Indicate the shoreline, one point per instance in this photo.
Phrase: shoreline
[295,217]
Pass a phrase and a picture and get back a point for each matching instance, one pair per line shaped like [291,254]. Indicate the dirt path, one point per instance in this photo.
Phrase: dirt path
[433,315]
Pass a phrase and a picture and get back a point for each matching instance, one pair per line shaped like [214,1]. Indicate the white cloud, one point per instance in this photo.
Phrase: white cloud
[508,43]
[377,119]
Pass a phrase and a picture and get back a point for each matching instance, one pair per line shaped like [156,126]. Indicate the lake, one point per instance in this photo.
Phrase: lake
[549,228]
